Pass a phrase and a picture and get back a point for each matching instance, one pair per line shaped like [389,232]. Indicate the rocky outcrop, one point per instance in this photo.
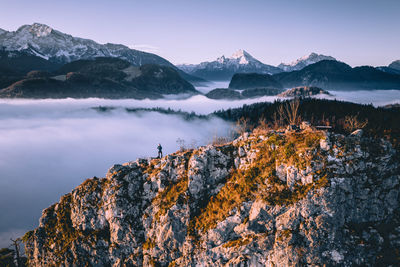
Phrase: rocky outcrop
[303,91]
[266,199]
[226,93]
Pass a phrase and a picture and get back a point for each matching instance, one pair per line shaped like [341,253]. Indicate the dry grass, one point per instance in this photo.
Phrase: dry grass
[260,180]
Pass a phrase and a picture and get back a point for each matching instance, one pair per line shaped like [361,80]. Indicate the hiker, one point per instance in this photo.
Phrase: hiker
[159,151]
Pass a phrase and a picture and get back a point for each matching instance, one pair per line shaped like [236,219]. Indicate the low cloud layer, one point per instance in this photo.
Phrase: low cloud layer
[48,147]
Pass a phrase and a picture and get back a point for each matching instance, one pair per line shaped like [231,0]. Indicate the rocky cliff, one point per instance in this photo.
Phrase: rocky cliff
[265,199]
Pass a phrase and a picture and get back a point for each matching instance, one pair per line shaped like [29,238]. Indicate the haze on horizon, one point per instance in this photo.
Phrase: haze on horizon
[359,32]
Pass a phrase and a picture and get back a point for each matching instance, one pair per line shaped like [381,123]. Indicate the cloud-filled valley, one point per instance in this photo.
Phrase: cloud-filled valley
[47,147]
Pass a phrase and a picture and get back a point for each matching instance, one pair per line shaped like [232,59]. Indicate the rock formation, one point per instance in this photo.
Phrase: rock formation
[303,91]
[265,199]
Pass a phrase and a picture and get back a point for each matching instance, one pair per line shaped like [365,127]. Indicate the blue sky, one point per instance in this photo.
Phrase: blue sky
[358,32]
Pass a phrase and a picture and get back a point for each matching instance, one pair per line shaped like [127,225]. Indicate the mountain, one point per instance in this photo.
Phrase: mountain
[395,65]
[23,62]
[14,65]
[388,70]
[305,198]
[253,80]
[334,75]
[57,47]
[304,62]
[101,77]
[223,67]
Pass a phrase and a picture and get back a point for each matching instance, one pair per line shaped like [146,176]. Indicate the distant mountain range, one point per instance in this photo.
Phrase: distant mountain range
[223,68]
[335,75]
[304,62]
[74,67]
[326,74]
[59,48]
[242,62]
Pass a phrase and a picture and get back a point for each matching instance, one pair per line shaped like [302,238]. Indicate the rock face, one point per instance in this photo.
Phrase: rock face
[271,199]
[303,91]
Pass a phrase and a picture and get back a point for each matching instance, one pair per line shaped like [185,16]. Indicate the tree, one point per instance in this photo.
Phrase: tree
[352,123]
[292,111]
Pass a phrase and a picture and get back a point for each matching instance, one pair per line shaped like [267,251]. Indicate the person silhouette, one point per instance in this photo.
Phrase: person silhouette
[159,148]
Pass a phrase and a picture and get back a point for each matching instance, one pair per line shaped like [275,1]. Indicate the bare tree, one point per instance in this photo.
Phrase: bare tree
[242,126]
[352,123]
[292,111]
[281,114]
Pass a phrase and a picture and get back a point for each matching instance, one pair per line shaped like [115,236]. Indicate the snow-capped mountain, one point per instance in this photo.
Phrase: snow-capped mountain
[304,61]
[223,67]
[395,65]
[43,41]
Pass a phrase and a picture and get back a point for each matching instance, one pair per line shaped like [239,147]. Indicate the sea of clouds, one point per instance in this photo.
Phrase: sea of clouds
[48,147]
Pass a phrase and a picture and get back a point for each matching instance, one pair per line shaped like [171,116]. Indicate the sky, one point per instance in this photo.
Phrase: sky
[358,32]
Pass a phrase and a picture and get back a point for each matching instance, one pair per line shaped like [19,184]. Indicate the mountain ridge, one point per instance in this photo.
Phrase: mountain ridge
[224,68]
[304,62]
[53,45]
[335,75]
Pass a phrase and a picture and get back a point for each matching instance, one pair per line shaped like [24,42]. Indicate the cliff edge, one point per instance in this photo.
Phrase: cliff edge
[265,199]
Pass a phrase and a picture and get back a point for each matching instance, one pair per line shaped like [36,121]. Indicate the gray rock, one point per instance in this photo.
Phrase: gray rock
[341,209]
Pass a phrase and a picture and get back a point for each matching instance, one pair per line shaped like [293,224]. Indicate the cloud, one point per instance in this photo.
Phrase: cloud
[145,47]
[48,147]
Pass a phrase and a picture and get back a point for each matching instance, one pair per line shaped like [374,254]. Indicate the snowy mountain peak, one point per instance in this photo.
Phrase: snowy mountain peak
[223,68]
[36,29]
[304,61]
[242,56]
[43,41]
[2,31]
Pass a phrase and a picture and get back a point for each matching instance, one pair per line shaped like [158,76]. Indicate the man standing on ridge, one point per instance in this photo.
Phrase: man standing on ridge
[159,148]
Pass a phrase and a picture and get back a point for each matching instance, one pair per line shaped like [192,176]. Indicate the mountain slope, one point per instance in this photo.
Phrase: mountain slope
[334,75]
[395,65]
[304,62]
[274,199]
[55,46]
[101,77]
[253,80]
[223,68]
